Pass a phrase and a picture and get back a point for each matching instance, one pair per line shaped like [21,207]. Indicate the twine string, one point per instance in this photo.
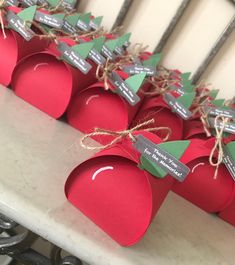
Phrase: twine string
[103,72]
[2,9]
[218,144]
[121,134]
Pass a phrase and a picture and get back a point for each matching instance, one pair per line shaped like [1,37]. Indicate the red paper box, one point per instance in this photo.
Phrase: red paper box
[228,214]
[13,48]
[116,194]
[97,107]
[194,129]
[200,187]
[48,83]
[156,108]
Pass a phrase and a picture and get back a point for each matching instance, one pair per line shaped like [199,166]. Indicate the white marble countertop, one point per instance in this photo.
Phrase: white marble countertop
[36,155]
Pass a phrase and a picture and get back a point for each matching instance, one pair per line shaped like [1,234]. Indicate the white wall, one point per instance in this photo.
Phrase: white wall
[201,25]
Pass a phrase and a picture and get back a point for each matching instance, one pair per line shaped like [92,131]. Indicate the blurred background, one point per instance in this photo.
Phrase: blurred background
[200,26]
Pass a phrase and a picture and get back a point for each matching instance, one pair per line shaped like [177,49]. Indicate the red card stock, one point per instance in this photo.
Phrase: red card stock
[156,108]
[97,107]
[12,49]
[228,214]
[48,83]
[200,187]
[194,129]
[116,194]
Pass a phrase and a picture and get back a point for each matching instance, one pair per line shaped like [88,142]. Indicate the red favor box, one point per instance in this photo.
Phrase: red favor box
[156,108]
[48,83]
[97,107]
[200,187]
[116,194]
[12,49]
[228,214]
[194,129]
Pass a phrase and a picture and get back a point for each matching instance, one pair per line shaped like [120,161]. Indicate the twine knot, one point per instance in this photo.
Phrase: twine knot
[218,144]
[103,72]
[121,134]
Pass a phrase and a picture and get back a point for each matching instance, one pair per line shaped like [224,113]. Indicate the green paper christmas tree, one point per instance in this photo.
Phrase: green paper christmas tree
[135,81]
[83,49]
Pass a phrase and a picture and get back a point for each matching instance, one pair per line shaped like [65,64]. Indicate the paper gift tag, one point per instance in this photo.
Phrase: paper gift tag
[180,105]
[83,22]
[12,3]
[162,159]
[119,50]
[76,55]
[91,107]
[54,21]
[28,3]
[200,187]
[96,22]
[95,52]
[70,22]
[229,158]
[48,83]
[17,22]
[109,48]
[147,66]
[128,88]
[110,184]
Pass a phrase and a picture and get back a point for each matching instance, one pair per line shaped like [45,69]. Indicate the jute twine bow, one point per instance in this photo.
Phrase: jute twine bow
[133,53]
[205,123]
[218,144]
[2,8]
[103,72]
[121,134]
[161,84]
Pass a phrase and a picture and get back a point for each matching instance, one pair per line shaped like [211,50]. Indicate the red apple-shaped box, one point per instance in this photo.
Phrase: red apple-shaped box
[194,129]
[156,108]
[48,83]
[116,194]
[228,214]
[97,107]
[13,47]
[201,188]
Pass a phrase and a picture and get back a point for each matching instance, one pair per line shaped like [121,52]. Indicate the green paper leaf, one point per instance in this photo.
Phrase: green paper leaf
[187,86]
[97,21]
[218,102]
[185,76]
[214,93]
[83,49]
[53,3]
[98,43]
[112,44]
[136,81]
[175,148]
[187,99]
[73,19]
[123,39]
[28,13]
[230,148]
[85,18]
[153,60]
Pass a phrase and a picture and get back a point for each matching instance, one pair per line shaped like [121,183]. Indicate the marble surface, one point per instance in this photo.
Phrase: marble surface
[36,155]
